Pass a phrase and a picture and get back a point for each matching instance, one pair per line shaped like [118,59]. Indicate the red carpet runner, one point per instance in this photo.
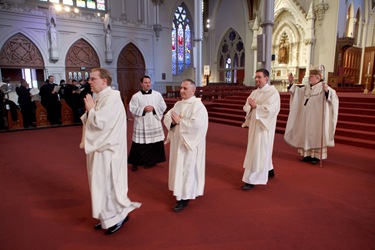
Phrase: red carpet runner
[46,201]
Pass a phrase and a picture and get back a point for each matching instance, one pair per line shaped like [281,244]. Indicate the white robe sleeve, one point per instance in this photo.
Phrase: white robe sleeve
[99,124]
[193,127]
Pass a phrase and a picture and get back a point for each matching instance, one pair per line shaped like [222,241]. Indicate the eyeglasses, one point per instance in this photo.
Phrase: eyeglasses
[94,78]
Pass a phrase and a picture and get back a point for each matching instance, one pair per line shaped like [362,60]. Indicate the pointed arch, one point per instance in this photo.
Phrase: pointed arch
[231,56]
[349,21]
[356,27]
[130,68]
[20,52]
[80,59]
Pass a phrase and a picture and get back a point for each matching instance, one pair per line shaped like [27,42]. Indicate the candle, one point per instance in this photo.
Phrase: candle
[368,68]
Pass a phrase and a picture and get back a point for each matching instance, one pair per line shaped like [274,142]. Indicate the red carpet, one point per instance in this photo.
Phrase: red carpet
[46,201]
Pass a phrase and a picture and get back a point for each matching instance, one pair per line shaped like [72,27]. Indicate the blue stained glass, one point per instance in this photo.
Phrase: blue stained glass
[239,46]
[174,50]
[232,36]
[181,41]
[187,45]
[180,52]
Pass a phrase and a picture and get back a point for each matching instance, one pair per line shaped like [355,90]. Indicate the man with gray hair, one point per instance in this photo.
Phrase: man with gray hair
[187,124]
[312,118]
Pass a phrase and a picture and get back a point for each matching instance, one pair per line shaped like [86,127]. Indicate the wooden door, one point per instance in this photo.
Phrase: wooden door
[130,69]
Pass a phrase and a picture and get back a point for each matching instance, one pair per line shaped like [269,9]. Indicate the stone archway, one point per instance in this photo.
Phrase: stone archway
[17,53]
[80,59]
[130,68]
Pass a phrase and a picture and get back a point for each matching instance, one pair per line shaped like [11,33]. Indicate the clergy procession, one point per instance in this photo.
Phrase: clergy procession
[104,138]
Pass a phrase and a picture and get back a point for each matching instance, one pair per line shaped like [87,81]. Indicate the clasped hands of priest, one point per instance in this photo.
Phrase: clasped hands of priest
[175,118]
[149,108]
[89,102]
[252,103]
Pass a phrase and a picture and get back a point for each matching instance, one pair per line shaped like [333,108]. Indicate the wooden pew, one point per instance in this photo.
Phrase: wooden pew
[15,124]
[41,115]
[66,113]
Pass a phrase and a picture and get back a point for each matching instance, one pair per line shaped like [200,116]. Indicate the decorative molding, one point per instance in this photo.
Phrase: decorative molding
[81,54]
[157,2]
[157,28]
[320,10]
[20,51]
[309,41]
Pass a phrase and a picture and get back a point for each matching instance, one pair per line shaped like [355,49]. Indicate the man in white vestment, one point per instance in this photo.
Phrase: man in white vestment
[262,108]
[312,118]
[187,124]
[147,107]
[105,145]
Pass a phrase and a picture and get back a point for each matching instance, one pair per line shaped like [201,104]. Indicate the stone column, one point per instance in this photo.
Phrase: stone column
[267,26]
[198,38]
[309,41]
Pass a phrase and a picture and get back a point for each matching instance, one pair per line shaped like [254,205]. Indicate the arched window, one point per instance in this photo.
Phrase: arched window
[232,58]
[181,40]
[87,4]
[357,27]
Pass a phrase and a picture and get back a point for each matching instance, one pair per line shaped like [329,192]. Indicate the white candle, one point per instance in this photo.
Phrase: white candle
[368,68]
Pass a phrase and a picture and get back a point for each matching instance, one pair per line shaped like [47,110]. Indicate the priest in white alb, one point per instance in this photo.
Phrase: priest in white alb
[262,108]
[312,118]
[187,124]
[105,145]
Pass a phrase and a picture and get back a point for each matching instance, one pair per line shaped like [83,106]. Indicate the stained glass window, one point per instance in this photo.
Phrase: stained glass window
[68,2]
[89,4]
[181,40]
[81,3]
[231,57]
[100,4]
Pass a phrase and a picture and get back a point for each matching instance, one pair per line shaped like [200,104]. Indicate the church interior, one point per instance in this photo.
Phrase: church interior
[220,44]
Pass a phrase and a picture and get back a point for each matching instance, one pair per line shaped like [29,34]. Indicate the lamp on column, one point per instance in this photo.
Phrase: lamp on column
[157,27]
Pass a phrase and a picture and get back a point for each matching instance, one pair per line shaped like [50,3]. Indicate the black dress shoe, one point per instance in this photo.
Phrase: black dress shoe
[307,159]
[247,186]
[314,161]
[116,227]
[181,204]
[134,168]
[98,226]
[271,173]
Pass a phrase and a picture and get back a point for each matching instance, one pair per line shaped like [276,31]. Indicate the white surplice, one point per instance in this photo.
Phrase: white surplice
[147,126]
[262,124]
[187,158]
[104,142]
[304,127]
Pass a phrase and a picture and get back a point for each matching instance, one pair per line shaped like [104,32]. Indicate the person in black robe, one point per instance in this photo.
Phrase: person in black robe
[50,100]
[26,104]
